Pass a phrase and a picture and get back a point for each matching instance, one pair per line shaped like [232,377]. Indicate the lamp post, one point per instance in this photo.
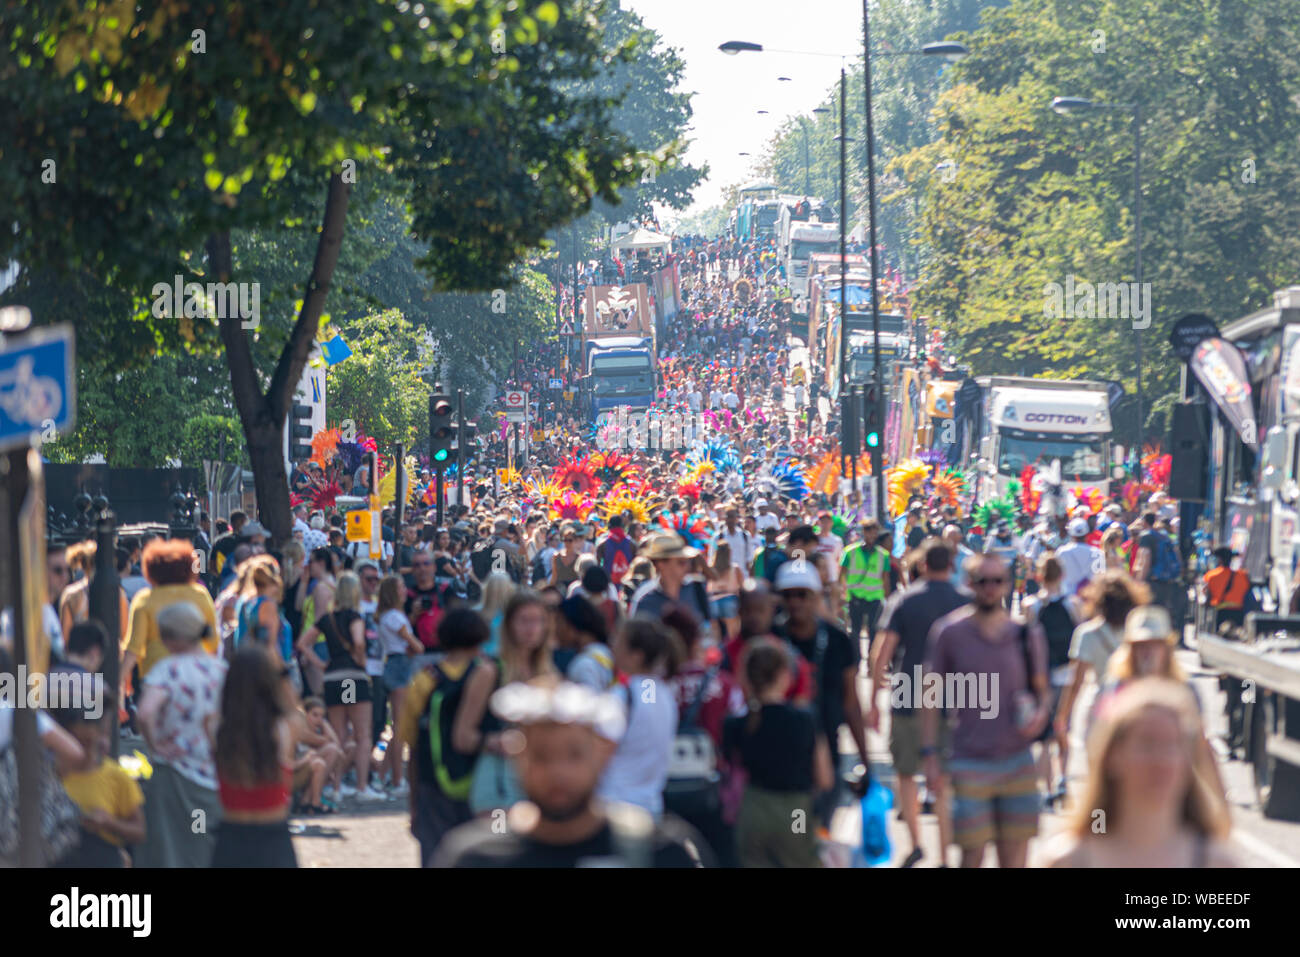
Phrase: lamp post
[1073,106]
[950,52]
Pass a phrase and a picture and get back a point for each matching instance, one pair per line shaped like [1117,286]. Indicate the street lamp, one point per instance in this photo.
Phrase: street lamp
[948,51]
[1075,106]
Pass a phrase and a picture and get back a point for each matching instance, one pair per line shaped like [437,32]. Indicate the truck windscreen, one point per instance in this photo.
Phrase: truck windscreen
[803,248]
[1082,457]
[620,365]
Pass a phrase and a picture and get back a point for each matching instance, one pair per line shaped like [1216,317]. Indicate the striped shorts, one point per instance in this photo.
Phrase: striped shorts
[994,799]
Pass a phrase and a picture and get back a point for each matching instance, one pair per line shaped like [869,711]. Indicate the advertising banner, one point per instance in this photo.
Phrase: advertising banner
[1221,368]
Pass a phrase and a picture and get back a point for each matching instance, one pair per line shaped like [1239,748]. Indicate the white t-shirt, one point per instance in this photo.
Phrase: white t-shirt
[49,621]
[638,771]
[764,522]
[1093,643]
[1079,562]
[391,624]
[832,546]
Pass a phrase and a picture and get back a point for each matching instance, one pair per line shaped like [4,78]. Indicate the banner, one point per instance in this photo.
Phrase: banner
[617,311]
[667,295]
[1221,369]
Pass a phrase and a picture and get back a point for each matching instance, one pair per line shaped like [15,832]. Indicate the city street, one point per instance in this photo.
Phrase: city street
[545,389]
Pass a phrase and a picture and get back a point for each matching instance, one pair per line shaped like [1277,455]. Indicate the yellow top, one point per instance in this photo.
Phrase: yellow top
[142,638]
[109,787]
[417,699]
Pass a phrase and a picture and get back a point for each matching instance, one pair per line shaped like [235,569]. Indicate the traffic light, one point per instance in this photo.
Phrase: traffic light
[851,433]
[466,441]
[300,432]
[871,417]
[442,429]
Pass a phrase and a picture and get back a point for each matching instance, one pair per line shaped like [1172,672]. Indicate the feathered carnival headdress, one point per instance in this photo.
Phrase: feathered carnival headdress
[689,527]
[570,506]
[613,466]
[903,481]
[576,474]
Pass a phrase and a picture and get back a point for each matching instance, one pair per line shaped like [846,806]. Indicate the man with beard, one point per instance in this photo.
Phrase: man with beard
[995,670]
[569,733]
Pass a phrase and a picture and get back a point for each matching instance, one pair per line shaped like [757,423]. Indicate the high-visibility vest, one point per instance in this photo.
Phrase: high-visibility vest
[864,575]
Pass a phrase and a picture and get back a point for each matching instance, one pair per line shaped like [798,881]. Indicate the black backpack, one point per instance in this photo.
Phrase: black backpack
[1058,625]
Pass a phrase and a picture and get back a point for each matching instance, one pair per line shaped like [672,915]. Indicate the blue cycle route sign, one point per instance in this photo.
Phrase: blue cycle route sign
[38,390]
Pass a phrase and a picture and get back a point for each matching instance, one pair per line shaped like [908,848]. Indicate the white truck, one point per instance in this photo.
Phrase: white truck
[800,241]
[1040,422]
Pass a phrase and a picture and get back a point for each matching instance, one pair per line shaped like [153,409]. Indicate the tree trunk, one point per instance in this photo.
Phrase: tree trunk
[263,414]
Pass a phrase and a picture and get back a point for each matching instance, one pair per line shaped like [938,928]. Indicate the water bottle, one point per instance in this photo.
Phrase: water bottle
[876,805]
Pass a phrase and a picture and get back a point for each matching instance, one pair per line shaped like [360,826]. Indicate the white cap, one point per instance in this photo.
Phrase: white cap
[567,703]
[797,574]
[1078,528]
[759,502]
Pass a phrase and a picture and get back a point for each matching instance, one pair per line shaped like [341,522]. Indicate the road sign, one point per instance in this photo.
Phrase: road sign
[38,391]
[516,415]
[557,384]
[516,400]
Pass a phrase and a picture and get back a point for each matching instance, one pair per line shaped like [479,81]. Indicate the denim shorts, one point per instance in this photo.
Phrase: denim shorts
[397,672]
[727,606]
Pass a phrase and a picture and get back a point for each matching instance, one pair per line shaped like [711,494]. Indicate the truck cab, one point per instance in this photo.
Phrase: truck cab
[1040,421]
[803,241]
[620,371]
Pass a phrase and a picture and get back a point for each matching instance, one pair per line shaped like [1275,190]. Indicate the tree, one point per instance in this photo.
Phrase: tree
[1038,197]
[181,136]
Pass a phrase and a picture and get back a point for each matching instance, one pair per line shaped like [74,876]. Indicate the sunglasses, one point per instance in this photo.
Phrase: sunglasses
[989,581]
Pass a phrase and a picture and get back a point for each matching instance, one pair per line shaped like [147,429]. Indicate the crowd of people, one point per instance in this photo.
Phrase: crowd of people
[687,679]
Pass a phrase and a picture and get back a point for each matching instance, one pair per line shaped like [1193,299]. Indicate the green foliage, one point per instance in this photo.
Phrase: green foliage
[1038,197]
[214,437]
[379,387]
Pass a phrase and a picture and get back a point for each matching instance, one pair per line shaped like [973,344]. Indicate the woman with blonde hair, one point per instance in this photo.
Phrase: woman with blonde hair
[497,591]
[525,654]
[257,610]
[1153,797]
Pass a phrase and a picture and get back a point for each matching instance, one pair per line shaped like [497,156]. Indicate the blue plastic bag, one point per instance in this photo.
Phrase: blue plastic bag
[876,850]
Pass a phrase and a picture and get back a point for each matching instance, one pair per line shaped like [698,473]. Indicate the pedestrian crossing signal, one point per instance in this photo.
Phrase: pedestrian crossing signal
[873,440]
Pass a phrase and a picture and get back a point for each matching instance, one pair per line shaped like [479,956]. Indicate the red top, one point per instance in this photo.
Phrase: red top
[260,797]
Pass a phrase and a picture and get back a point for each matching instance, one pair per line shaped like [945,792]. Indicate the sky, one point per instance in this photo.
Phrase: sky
[728,91]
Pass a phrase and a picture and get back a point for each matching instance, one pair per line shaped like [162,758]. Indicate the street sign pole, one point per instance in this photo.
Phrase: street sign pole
[13,490]
[38,380]
[437,473]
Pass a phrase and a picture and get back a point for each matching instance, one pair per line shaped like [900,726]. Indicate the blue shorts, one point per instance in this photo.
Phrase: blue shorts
[728,606]
[994,799]
[397,672]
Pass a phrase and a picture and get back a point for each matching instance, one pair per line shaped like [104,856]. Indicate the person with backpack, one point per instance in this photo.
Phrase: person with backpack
[615,551]
[1057,611]
[702,788]
[1158,564]
[441,774]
